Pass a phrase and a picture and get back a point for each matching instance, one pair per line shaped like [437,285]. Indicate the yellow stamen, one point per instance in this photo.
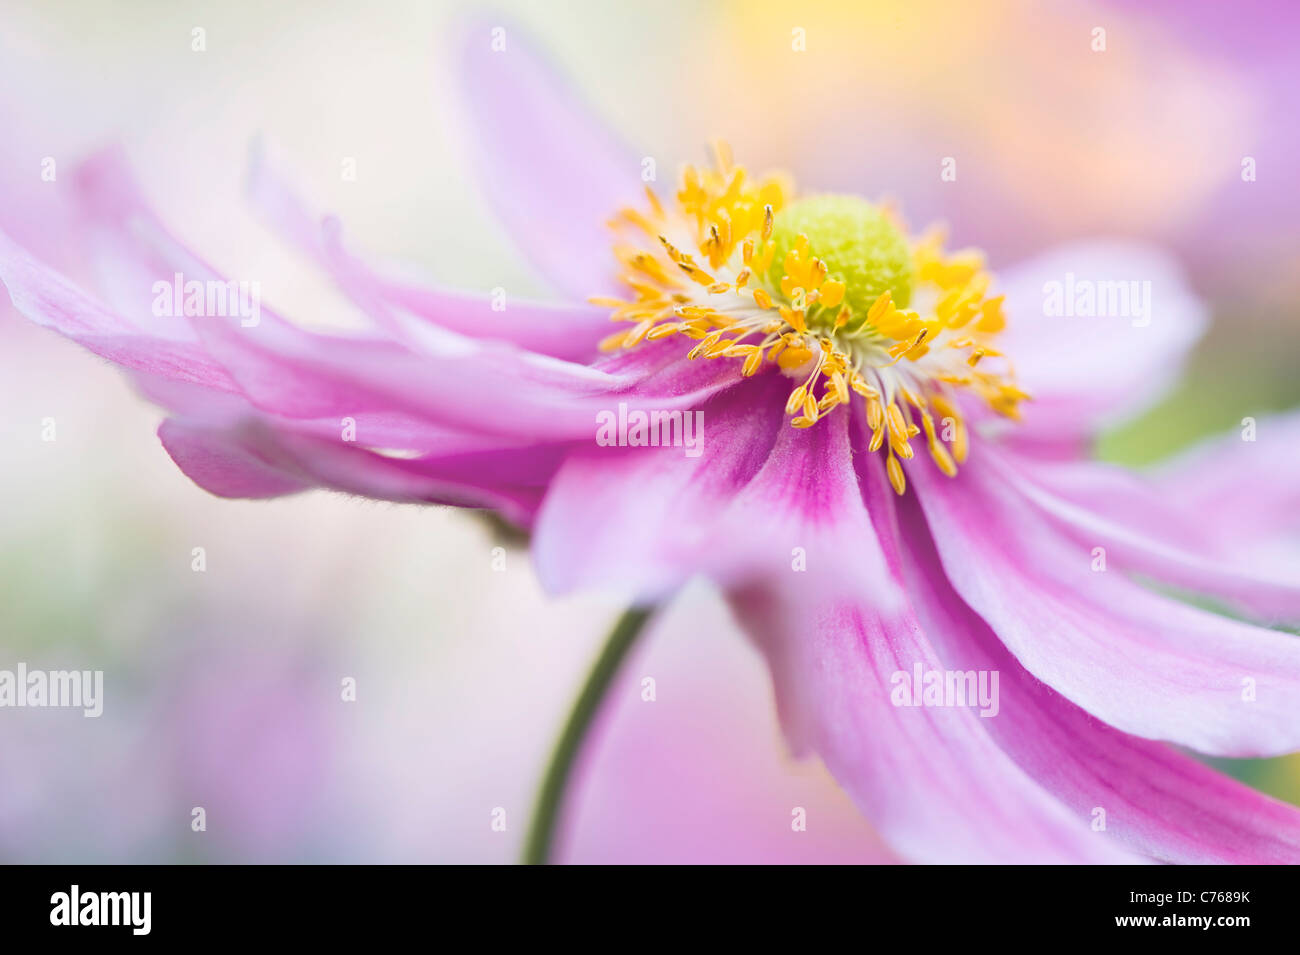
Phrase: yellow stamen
[896,477]
[815,316]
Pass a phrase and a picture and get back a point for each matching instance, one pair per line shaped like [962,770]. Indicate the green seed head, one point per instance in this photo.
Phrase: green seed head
[859,244]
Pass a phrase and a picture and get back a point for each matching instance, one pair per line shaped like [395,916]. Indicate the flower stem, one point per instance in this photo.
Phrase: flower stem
[541,831]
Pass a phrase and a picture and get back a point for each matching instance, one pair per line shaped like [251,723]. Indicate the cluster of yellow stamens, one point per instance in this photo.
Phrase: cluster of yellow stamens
[828,324]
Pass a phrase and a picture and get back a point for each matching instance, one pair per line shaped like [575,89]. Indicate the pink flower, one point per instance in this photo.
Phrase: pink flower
[920,522]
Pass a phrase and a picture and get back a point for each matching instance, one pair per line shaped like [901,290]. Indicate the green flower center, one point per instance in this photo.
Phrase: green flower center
[861,246]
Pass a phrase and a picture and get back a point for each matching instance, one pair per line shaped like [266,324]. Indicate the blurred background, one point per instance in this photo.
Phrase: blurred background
[223,686]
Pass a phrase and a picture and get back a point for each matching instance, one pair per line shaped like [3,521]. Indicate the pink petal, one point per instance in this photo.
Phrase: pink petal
[1155,800]
[220,463]
[642,518]
[1246,493]
[296,373]
[49,299]
[553,173]
[761,497]
[380,429]
[1143,663]
[290,371]
[1147,530]
[1085,372]
[252,459]
[570,332]
[931,780]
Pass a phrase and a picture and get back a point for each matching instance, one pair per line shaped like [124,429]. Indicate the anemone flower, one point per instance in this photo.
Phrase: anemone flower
[825,416]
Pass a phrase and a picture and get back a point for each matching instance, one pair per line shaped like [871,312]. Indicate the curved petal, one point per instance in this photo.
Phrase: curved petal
[49,299]
[221,464]
[1088,366]
[392,431]
[1151,798]
[552,172]
[570,332]
[1244,487]
[293,372]
[437,375]
[643,518]
[1148,531]
[250,458]
[760,497]
[1144,663]
[931,780]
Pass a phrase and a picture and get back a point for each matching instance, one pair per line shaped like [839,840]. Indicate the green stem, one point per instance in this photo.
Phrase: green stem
[541,831]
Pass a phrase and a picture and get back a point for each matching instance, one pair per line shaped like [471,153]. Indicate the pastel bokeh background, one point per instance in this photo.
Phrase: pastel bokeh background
[223,687]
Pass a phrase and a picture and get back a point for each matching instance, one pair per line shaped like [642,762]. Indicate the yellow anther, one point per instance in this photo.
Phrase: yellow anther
[638,334]
[992,321]
[896,477]
[881,308]
[942,458]
[663,331]
[959,441]
[810,406]
[832,293]
[794,318]
[612,342]
[709,340]
[841,386]
[697,273]
[897,426]
[794,356]
[859,384]
[839,336]
[671,249]
[717,348]
[875,413]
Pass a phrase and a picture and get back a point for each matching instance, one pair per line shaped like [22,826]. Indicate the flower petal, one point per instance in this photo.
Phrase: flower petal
[252,459]
[643,518]
[1153,799]
[760,497]
[293,372]
[221,464]
[931,780]
[1088,370]
[570,332]
[49,299]
[1148,531]
[1144,663]
[290,371]
[553,173]
[1245,489]
[381,429]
